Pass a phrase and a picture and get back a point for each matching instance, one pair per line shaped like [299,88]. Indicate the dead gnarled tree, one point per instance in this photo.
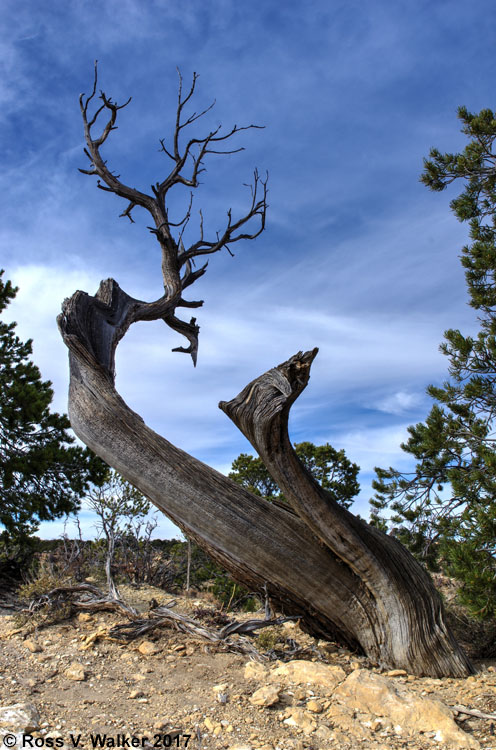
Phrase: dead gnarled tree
[344,578]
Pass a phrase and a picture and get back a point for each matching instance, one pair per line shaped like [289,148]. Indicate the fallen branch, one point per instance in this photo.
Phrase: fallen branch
[95,601]
[473,712]
[161,616]
[249,626]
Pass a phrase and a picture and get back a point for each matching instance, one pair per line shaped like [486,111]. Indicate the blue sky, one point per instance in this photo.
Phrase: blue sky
[358,258]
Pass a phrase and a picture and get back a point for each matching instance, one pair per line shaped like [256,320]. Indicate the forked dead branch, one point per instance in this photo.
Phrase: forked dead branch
[188,165]
[342,577]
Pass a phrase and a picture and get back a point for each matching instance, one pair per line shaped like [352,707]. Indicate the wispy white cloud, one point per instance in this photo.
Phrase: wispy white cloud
[399,402]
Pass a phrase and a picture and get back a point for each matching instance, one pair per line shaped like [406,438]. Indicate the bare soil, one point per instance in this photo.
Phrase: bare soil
[172,691]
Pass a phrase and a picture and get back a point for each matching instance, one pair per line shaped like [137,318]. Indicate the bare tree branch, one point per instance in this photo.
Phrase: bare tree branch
[258,208]
[174,256]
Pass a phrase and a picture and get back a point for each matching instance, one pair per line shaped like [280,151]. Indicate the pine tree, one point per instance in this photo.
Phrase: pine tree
[446,510]
[42,474]
[331,468]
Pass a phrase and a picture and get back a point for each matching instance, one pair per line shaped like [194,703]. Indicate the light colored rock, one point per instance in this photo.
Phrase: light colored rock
[75,671]
[136,694]
[220,688]
[91,639]
[221,692]
[397,673]
[315,673]
[85,617]
[374,694]
[255,671]
[212,726]
[138,677]
[242,746]
[300,694]
[19,717]
[33,646]
[302,719]
[147,648]
[265,696]
[314,706]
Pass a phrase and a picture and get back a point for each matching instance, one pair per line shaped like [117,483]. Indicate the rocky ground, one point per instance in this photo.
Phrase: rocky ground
[176,691]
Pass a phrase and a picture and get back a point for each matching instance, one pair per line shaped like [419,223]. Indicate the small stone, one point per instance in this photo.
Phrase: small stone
[160,725]
[220,688]
[314,706]
[85,617]
[138,677]
[301,719]
[75,671]
[147,648]
[265,696]
[136,694]
[212,726]
[33,646]
[397,673]
[91,639]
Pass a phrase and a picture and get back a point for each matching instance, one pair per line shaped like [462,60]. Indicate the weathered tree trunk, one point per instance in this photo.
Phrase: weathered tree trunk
[346,579]
[188,563]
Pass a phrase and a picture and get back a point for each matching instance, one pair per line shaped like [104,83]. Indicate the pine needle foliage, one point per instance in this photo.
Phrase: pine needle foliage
[330,467]
[42,473]
[445,511]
